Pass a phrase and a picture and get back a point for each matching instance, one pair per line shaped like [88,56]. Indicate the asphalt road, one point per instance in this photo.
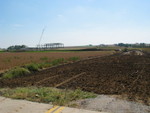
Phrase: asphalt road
[22,106]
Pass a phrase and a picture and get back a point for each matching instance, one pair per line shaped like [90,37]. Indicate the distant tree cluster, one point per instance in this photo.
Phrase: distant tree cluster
[16,47]
[133,45]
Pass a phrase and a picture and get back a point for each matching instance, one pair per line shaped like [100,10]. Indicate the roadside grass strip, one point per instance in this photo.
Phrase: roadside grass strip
[46,94]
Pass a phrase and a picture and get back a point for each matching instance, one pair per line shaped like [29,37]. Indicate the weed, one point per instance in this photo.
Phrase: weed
[58,61]
[32,67]
[44,65]
[16,72]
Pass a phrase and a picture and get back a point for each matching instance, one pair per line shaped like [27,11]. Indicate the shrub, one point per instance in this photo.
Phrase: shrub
[17,72]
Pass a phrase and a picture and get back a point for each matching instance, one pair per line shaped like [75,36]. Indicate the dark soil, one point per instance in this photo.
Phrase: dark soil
[116,74]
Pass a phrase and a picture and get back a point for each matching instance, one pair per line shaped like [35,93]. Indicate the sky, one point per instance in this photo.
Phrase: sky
[74,22]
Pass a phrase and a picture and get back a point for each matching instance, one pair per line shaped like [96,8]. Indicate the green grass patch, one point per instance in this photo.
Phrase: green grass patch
[46,95]
[32,67]
[58,61]
[74,59]
[16,72]
[44,65]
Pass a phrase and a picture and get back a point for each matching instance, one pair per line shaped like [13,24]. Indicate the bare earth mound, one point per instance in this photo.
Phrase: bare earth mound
[116,74]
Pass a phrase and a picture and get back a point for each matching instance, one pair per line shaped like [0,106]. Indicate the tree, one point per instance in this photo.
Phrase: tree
[16,47]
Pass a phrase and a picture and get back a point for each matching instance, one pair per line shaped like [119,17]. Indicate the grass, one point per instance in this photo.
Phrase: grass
[7,60]
[46,95]
[143,49]
[44,65]
[55,62]
[74,59]
[16,57]
[50,51]
[33,67]
[44,58]
[146,49]
[58,61]
[1,51]
[16,72]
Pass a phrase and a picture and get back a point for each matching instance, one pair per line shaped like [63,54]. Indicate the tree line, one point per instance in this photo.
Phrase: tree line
[16,47]
[137,45]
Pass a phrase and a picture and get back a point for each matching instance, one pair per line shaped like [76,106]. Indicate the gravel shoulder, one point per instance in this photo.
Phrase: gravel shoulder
[105,103]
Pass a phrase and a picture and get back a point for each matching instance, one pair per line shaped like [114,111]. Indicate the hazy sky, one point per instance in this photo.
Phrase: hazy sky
[74,22]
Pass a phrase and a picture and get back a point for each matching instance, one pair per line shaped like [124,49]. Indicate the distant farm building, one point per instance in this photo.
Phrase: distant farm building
[51,46]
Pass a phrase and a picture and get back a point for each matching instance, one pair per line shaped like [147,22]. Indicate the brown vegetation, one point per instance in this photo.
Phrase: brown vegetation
[12,59]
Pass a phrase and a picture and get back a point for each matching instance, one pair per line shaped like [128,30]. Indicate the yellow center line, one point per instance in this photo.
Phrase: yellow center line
[59,110]
[52,109]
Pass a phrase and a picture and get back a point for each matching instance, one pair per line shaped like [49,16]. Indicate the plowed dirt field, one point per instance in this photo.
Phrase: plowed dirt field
[112,75]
